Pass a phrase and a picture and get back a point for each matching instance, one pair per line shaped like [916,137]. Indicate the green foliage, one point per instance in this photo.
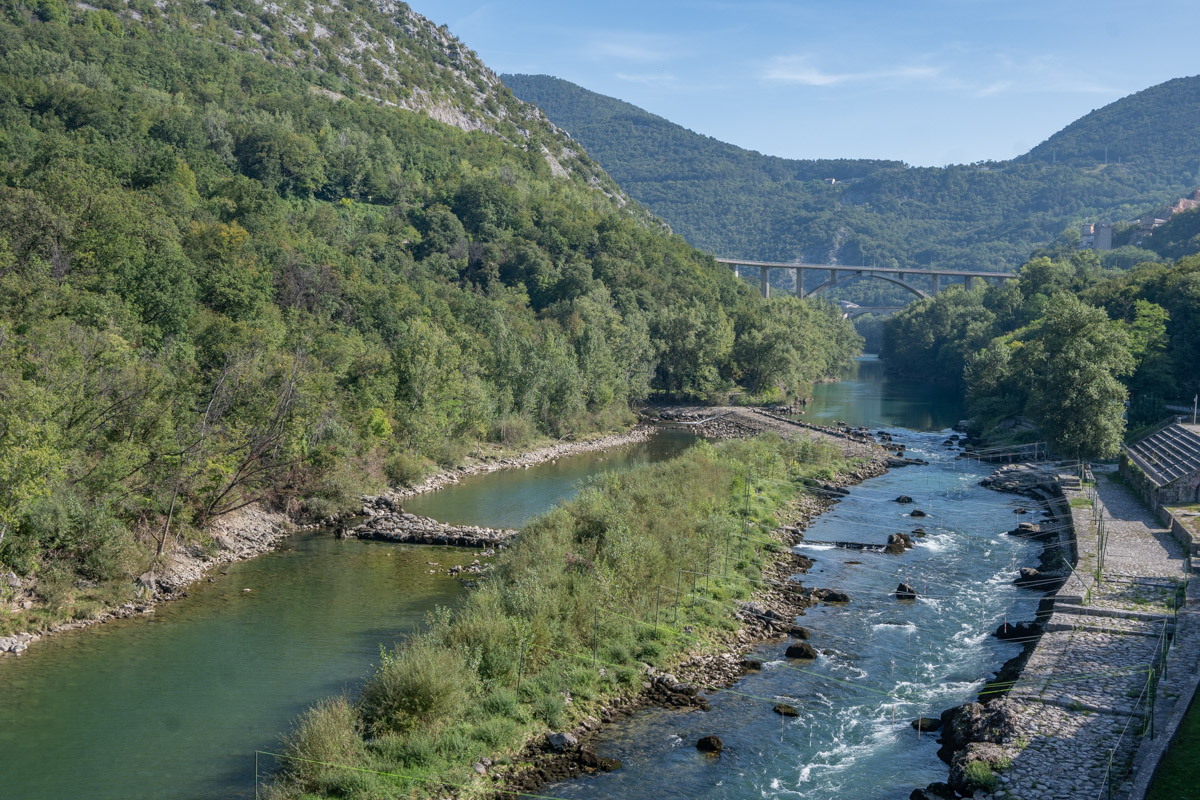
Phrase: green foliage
[1115,163]
[980,775]
[233,270]
[417,685]
[584,578]
[1065,345]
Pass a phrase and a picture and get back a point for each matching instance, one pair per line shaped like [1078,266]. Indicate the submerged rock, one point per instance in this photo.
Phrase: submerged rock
[798,632]
[592,762]
[800,650]
[927,724]
[904,499]
[916,512]
[784,710]
[710,744]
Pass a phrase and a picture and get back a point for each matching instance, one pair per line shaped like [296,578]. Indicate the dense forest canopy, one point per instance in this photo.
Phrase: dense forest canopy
[234,266]
[1066,345]
[742,204]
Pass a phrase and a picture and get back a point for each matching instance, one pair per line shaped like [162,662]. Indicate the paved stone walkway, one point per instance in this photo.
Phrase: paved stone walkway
[1085,693]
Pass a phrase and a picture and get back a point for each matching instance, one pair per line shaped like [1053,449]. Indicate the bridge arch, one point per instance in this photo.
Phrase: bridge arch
[833,281]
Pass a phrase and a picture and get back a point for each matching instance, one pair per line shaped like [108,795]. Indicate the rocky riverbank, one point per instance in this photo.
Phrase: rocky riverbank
[253,531]
[243,534]
[768,615]
[482,466]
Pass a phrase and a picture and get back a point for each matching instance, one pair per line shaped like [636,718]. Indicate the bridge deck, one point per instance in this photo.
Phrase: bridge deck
[852,268]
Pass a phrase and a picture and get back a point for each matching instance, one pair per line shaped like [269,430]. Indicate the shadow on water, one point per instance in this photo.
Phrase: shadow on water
[866,396]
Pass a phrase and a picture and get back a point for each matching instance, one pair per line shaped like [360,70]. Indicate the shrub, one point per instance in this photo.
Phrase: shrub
[326,733]
[420,683]
[495,732]
[980,775]
[549,709]
[404,469]
[500,703]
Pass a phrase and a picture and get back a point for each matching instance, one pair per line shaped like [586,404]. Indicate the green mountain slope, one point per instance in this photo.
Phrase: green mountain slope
[294,252]
[1155,133]
[743,204]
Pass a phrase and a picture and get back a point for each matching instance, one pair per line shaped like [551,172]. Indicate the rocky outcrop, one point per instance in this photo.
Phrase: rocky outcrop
[18,643]
[1021,479]
[387,521]
[1020,631]
[994,723]
[961,778]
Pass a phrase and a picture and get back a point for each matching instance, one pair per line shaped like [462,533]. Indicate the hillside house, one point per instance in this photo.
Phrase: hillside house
[1164,467]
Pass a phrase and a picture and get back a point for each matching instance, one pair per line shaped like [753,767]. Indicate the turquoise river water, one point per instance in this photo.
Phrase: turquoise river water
[174,704]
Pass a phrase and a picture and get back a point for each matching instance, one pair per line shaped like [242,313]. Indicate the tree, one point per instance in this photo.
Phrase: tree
[1076,355]
[694,342]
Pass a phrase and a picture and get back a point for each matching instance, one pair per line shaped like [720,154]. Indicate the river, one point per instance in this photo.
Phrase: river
[881,659]
[174,703]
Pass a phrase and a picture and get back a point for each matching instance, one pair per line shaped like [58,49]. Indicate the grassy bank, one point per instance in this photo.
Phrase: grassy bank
[567,614]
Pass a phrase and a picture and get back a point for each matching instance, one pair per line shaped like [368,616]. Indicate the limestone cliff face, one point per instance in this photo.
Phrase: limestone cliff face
[384,51]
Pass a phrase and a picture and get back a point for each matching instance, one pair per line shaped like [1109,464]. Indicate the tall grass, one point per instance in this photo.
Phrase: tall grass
[569,613]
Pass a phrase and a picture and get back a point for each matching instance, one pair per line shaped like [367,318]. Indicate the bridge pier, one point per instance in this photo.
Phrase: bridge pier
[800,282]
[969,281]
[762,279]
[937,283]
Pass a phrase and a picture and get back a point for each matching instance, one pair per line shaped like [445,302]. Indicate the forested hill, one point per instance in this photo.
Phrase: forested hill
[991,216]
[295,252]
[1155,132]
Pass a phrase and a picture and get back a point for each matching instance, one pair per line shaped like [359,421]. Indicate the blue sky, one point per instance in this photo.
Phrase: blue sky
[929,82]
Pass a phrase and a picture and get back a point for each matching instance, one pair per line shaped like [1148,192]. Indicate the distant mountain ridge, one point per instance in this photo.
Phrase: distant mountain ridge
[739,203]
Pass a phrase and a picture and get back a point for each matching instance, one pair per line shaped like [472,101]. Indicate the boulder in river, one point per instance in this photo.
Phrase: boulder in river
[916,512]
[798,632]
[905,592]
[904,499]
[995,722]
[752,665]
[934,791]
[1021,631]
[830,596]
[927,724]
[710,744]
[784,710]
[560,742]
[1029,577]
[800,650]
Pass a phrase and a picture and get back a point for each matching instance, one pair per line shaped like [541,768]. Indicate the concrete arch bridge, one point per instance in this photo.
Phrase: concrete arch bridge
[840,274]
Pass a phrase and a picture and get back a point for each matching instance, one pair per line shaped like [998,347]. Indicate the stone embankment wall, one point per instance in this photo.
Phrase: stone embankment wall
[1108,681]
[388,521]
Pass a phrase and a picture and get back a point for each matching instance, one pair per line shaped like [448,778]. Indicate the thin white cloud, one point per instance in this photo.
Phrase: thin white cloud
[635,47]
[798,70]
[648,79]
